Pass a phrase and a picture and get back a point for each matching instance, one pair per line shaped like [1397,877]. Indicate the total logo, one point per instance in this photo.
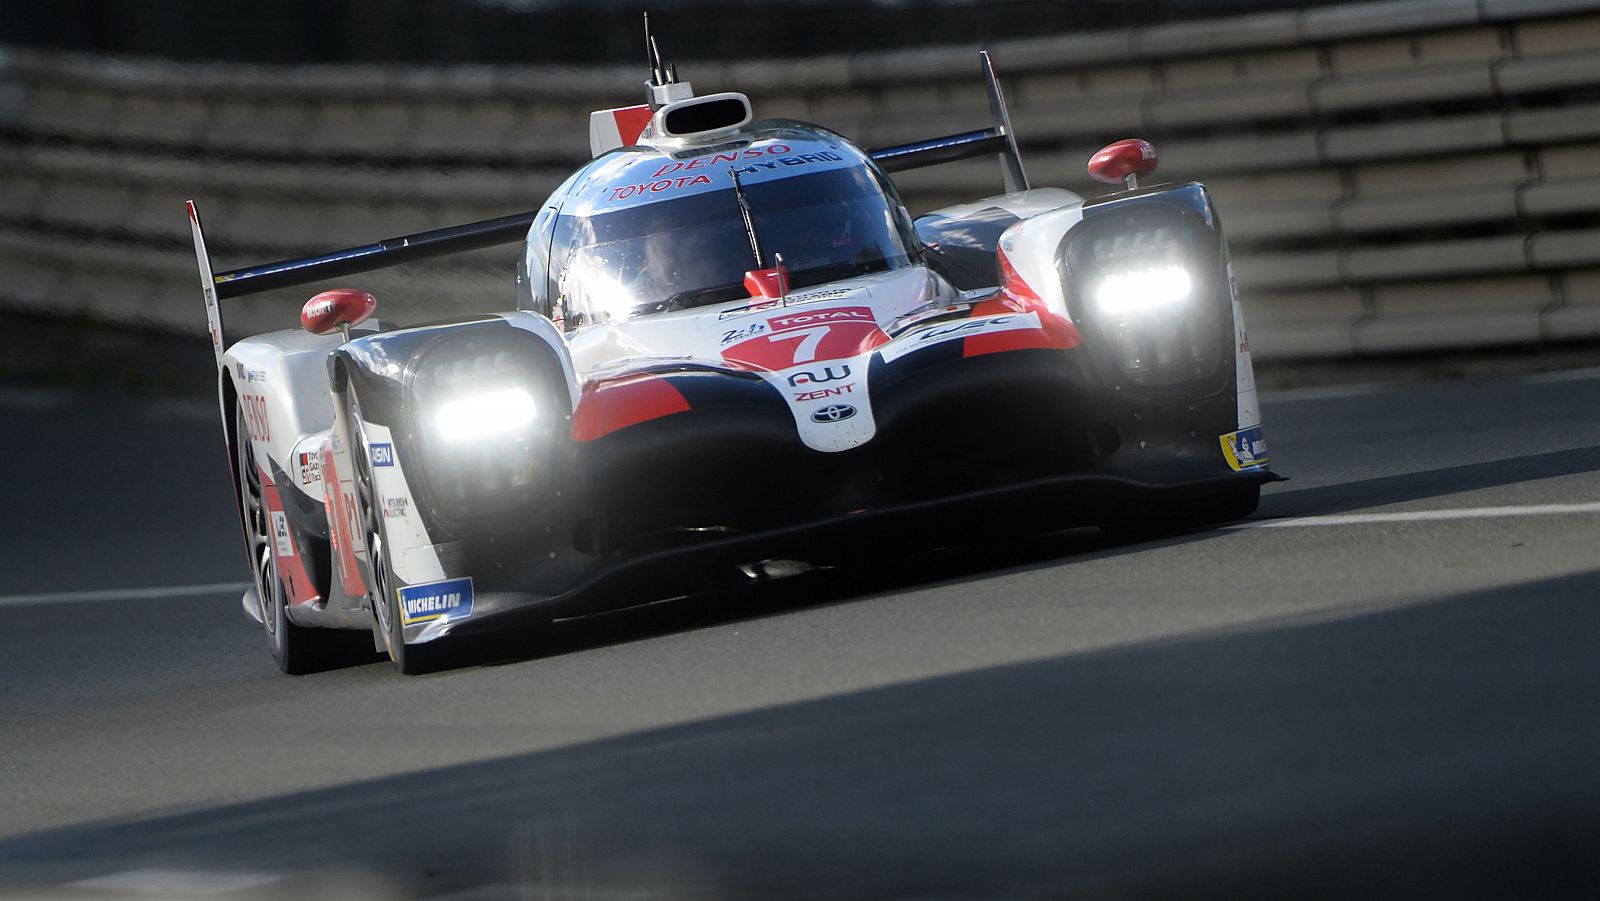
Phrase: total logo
[833,413]
[820,317]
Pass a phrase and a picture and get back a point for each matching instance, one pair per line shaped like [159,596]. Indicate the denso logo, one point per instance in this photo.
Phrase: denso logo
[821,317]
[706,162]
[828,374]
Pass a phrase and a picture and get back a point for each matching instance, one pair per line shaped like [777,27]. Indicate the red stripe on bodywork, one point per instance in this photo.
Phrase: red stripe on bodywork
[292,569]
[1016,295]
[614,404]
[341,510]
[631,121]
[1054,333]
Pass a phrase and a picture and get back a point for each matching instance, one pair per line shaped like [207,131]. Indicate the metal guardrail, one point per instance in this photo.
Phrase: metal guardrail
[1402,175]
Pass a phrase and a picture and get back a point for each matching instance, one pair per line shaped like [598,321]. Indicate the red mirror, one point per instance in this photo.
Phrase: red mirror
[1123,162]
[772,283]
[336,310]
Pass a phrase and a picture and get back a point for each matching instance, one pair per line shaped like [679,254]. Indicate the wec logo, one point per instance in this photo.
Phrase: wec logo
[971,325]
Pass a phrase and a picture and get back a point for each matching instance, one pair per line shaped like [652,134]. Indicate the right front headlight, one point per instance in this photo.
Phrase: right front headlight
[1149,287]
[1133,291]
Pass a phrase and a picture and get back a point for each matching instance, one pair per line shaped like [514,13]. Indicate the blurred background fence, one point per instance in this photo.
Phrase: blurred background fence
[1406,175]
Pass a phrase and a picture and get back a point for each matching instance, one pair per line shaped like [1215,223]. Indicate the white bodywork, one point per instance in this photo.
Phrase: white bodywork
[814,345]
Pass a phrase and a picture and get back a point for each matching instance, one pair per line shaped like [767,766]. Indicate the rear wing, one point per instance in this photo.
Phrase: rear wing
[996,139]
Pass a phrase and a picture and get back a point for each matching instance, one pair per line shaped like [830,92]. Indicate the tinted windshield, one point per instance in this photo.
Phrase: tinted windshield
[691,251]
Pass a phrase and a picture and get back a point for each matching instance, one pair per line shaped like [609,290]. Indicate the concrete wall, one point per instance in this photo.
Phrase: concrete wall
[1394,176]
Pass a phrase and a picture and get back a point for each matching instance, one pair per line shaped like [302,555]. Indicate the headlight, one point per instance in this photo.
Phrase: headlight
[477,417]
[1136,291]
[1147,282]
[487,414]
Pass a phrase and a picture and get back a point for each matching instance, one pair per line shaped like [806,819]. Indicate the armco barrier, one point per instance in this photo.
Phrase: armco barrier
[1394,176]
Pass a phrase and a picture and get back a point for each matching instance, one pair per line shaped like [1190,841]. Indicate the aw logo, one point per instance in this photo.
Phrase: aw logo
[825,374]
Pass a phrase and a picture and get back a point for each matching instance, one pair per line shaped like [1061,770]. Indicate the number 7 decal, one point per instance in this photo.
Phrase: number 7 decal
[810,338]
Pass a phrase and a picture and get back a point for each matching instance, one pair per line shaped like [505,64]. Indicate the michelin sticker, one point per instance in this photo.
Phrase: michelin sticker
[1245,449]
[435,601]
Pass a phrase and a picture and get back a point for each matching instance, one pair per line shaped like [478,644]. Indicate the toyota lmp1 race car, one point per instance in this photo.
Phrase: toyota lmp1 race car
[734,355]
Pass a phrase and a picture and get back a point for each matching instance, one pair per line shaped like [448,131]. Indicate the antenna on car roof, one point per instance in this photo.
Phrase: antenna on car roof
[664,86]
[652,56]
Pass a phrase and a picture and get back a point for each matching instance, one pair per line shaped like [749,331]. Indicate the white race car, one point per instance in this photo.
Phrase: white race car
[733,354]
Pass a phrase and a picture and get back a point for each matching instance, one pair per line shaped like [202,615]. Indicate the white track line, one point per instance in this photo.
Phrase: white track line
[119,594]
[176,883]
[1351,519]
[1325,392]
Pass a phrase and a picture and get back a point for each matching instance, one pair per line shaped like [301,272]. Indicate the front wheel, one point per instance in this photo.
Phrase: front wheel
[385,600]
[296,649]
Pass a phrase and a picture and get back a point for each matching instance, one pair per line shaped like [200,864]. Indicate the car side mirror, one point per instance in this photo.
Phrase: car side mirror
[1123,162]
[337,310]
[770,283]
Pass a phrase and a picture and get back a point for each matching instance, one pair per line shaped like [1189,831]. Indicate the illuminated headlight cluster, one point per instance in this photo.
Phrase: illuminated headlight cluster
[1147,285]
[485,416]
[1134,291]
[484,412]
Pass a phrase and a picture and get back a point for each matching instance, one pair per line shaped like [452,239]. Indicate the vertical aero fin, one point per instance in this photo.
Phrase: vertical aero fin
[1010,160]
[208,284]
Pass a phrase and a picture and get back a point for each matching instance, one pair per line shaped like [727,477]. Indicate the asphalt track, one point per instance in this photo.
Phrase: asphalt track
[1398,706]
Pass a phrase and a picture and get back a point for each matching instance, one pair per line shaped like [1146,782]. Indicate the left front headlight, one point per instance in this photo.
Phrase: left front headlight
[485,415]
[487,408]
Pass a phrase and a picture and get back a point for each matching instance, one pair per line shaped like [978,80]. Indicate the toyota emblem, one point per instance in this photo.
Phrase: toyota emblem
[833,413]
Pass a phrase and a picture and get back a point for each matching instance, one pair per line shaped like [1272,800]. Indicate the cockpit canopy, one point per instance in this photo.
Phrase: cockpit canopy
[646,232]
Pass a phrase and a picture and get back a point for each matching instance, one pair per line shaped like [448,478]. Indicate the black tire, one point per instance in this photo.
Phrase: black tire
[297,650]
[410,660]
